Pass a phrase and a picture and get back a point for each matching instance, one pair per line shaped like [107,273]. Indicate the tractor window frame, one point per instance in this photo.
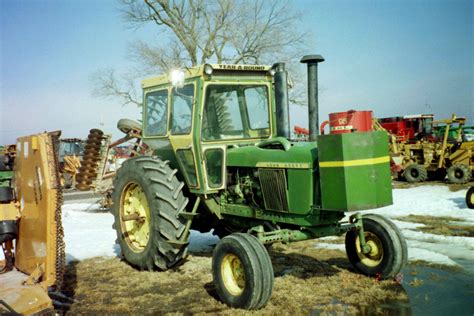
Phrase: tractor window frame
[191,178]
[211,166]
[267,132]
[146,113]
[172,106]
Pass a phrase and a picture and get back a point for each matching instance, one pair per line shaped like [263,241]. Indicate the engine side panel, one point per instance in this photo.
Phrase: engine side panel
[286,177]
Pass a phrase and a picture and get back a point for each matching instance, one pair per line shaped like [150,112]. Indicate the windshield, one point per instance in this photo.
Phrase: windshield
[236,112]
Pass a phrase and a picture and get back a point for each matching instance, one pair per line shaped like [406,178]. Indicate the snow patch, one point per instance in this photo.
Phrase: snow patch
[430,200]
[407,225]
[329,238]
[201,242]
[325,245]
[88,232]
[419,254]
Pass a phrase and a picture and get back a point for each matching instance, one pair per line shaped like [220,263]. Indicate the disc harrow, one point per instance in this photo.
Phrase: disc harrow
[90,161]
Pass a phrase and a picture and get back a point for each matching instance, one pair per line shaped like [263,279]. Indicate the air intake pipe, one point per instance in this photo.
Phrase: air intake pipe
[313,107]
[281,100]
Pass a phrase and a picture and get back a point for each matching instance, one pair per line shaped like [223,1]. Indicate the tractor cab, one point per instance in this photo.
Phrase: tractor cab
[193,117]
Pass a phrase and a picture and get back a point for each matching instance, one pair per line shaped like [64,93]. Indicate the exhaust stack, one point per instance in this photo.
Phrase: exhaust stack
[313,106]
[281,100]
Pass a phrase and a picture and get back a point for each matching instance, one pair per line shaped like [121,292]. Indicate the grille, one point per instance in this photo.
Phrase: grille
[273,184]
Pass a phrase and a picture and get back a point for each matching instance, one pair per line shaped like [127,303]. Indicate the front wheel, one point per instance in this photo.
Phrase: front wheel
[470,198]
[388,248]
[242,271]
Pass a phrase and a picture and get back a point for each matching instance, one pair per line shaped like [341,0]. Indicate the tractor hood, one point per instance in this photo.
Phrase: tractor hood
[274,153]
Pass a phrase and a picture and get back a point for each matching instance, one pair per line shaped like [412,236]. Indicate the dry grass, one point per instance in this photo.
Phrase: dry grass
[306,280]
[443,225]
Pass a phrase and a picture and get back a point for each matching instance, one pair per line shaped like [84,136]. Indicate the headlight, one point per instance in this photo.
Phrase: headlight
[208,69]
[177,78]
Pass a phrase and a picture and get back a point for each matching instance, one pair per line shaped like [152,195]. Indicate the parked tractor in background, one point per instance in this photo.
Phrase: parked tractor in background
[408,128]
[220,158]
[429,156]
[467,132]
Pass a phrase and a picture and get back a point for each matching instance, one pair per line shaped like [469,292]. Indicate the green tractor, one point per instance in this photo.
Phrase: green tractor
[220,158]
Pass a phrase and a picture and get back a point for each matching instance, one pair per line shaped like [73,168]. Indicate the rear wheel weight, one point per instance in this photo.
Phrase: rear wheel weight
[242,271]
[388,252]
[146,214]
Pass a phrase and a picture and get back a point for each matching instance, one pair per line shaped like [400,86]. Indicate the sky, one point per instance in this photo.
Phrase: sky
[391,57]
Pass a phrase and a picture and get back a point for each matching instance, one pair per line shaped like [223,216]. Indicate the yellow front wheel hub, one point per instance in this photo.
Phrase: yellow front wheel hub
[375,256]
[233,274]
[135,217]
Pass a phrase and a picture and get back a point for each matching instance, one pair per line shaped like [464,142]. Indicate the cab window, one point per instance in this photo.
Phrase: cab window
[156,119]
[235,112]
[182,109]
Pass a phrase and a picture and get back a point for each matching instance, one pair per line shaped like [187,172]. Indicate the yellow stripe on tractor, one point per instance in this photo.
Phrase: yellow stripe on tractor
[353,163]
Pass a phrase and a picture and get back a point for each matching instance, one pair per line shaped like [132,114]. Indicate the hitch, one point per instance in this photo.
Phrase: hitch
[356,219]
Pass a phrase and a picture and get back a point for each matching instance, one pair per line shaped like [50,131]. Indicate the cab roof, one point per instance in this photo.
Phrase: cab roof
[198,71]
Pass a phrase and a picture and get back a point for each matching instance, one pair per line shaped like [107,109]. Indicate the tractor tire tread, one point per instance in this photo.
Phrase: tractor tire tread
[160,187]
[395,247]
[465,174]
[415,173]
[259,271]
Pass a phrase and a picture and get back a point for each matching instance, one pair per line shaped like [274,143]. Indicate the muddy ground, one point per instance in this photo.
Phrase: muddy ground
[307,281]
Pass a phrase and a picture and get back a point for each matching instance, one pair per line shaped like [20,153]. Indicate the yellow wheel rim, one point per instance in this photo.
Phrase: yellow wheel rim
[375,256]
[233,274]
[135,217]
[472,198]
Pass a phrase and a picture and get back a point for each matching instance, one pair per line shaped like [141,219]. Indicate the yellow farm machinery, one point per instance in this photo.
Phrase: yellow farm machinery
[434,156]
[31,233]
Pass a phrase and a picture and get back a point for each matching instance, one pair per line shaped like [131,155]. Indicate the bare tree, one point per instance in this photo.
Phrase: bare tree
[194,32]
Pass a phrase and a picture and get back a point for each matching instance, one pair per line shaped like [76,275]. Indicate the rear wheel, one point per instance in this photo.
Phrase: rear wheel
[388,249]
[242,271]
[147,200]
[470,198]
[415,173]
[459,174]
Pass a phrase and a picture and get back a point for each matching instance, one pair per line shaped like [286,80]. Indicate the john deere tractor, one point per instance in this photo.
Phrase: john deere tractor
[221,159]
